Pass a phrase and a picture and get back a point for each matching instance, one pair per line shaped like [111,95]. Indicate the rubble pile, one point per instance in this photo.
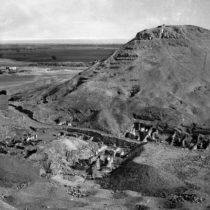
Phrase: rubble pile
[68,155]
[25,144]
[75,191]
[190,197]
[162,32]
[180,137]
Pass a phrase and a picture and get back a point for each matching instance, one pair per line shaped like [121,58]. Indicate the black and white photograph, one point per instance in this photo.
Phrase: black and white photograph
[104,104]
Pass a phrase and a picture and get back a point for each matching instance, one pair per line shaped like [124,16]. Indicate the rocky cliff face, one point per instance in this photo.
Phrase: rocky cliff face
[162,75]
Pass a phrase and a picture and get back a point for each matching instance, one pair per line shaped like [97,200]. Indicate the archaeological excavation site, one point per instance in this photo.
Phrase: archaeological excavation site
[130,131]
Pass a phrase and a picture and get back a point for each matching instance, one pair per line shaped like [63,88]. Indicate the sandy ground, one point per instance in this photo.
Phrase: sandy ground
[34,76]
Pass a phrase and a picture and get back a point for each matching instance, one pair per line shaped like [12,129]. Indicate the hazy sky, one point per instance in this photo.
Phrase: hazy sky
[95,19]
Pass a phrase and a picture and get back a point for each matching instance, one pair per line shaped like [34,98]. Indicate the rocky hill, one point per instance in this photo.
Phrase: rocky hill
[161,76]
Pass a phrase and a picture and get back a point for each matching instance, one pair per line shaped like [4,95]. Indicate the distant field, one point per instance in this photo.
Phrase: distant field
[21,82]
[6,80]
[56,52]
[36,61]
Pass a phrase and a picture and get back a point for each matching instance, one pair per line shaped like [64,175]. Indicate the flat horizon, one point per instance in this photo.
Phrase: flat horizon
[64,41]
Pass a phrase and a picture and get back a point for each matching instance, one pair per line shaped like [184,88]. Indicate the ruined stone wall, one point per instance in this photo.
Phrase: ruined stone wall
[106,138]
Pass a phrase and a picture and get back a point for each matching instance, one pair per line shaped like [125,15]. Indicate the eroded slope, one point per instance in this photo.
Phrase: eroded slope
[161,75]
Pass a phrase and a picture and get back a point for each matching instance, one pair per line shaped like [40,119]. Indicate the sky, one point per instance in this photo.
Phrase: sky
[95,19]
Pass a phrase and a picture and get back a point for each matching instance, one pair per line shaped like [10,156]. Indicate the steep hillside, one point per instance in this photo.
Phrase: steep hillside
[162,75]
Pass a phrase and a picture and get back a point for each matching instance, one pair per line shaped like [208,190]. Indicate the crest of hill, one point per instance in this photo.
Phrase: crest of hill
[162,75]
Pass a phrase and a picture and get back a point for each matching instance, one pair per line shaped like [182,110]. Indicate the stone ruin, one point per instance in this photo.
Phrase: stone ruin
[24,145]
[101,160]
[161,32]
[73,155]
[68,155]
[180,137]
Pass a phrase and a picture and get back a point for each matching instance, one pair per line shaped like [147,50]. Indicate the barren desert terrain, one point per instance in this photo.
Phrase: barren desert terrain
[128,130]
